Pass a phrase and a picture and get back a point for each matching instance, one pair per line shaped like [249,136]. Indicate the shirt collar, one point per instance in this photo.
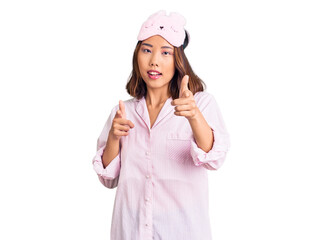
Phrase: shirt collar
[141,109]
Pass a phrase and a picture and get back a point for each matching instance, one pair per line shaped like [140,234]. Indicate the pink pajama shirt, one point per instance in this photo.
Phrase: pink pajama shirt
[160,174]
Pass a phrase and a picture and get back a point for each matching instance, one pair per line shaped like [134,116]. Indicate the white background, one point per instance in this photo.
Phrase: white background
[65,64]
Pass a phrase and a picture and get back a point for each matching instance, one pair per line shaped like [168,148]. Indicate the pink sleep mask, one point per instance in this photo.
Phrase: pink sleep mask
[171,27]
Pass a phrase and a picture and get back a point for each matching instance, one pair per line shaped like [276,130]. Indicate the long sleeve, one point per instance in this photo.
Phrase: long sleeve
[216,156]
[108,176]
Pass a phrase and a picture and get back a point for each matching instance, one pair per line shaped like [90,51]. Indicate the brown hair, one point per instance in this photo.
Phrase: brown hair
[136,86]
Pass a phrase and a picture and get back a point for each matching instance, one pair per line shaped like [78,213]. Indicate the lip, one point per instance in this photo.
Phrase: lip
[154,76]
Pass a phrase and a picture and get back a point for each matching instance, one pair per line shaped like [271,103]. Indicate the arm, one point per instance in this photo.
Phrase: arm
[202,133]
[211,139]
[111,151]
[108,151]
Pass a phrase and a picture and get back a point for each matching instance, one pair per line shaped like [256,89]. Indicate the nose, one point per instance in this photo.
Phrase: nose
[154,60]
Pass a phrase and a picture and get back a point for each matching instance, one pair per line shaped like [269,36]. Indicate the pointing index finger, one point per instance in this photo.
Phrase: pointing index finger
[122,108]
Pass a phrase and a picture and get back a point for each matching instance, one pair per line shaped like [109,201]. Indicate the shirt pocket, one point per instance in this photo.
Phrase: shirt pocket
[178,146]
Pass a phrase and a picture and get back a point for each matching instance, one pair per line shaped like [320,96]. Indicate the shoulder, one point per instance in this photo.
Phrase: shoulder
[202,97]
[206,102]
[129,103]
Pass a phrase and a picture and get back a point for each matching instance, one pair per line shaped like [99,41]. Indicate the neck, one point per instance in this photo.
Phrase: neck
[156,100]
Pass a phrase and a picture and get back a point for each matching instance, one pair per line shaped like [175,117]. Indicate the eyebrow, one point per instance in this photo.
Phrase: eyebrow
[150,45]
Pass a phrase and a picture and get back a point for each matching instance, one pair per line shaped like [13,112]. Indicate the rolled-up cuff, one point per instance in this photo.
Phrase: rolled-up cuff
[214,158]
[112,170]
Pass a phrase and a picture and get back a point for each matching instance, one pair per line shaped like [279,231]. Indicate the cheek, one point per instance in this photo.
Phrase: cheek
[171,68]
[139,61]
[140,64]
[170,73]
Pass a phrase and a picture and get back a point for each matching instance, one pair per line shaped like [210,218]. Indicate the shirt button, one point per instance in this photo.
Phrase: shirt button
[148,153]
[146,224]
[147,199]
[147,176]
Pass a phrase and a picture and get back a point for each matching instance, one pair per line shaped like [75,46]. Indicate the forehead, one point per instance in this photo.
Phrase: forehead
[157,41]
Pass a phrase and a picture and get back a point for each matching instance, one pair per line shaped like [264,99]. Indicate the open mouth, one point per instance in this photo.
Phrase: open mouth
[154,74]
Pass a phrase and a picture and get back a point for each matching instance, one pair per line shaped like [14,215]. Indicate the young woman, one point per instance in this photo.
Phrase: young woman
[158,146]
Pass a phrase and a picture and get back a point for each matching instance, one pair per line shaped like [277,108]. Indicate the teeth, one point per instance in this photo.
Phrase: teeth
[153,73]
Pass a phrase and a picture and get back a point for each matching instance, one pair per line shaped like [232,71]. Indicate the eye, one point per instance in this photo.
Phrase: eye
[145,50]
[166,53]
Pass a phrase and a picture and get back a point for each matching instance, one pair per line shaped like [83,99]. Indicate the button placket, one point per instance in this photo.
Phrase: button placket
[148,191]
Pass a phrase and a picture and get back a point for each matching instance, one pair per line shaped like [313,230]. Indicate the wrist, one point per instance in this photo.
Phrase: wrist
[112,138]
[195,118]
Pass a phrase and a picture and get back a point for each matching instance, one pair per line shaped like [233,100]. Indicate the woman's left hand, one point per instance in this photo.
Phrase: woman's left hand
[185,104]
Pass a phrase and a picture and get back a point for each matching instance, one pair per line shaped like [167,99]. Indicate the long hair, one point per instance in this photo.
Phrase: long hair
[136,86]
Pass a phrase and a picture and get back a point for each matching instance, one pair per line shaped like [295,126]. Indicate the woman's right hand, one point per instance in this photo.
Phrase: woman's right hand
[120,126]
